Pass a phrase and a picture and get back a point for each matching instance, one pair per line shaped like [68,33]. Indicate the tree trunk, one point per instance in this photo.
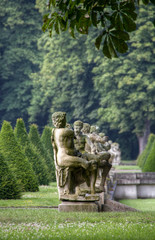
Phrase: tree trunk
[142,138]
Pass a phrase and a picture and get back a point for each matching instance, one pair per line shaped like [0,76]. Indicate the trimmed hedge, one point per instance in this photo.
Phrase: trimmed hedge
[150,162]
[38,164]
[9,187]
[16,159]
[46,141]
[143,157]
[34,138]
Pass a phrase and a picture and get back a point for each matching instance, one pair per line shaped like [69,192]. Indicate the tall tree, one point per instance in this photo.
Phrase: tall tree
[20,27]
[64,81]
[127,85]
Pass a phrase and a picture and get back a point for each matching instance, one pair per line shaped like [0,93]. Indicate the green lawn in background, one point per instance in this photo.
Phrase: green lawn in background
[140,204]
[130,162]
[126,167]
[47,197]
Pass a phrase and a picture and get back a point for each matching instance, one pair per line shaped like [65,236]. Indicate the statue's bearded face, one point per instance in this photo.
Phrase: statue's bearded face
[59,120]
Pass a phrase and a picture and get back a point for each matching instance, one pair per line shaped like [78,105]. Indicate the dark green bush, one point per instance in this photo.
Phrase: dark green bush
[142,158]
[37,144]
[46,141]
[9,187]
[149,165]
[17,161]
[37,162]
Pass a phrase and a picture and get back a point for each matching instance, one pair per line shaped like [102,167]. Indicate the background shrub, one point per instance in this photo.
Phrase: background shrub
[36,141]
[143,157]
[46,141]
[149,165]
[9,187]
[38,164]
[17,161]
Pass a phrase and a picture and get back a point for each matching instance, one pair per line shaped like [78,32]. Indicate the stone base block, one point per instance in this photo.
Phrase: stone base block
[125,192]
[67,206]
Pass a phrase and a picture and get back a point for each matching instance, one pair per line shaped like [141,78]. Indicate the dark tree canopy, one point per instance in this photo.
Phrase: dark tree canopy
[113,19]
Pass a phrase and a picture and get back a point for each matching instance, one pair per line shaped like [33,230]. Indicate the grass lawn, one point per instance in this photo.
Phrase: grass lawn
[127,167]
[45,224]
[47,196]
[140,204]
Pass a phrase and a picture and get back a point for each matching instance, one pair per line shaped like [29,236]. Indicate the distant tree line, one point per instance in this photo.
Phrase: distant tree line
[26,159]
[40,75]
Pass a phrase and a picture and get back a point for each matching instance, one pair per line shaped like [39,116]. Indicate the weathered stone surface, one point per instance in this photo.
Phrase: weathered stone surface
[125,192]
[147,175]
[146,191]
[128,181]
[113,206]
[135,185]
[125,176]
[67,206]
[100,203]
[85,198]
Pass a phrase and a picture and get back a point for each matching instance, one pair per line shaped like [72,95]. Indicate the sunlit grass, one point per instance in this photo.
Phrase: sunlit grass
[47,196]
[46,224]
[50,224]
[127,167]
[140,204]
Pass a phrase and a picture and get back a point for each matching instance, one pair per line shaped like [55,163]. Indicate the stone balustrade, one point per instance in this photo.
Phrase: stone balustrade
[135,185]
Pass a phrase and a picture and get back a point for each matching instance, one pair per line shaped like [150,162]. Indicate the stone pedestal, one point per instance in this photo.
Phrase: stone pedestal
[69,206]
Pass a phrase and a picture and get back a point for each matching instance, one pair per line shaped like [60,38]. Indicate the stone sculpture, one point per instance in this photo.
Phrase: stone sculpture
[88,145]
[78,163]
[115,154]
[72,168]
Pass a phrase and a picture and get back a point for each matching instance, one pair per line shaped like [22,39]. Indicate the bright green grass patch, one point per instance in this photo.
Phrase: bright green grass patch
[50,224]
[130,162]
[127,167]
[47,196]
[140,204]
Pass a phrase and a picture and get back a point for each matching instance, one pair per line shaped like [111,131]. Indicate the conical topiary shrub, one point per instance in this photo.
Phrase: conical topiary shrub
[36,141]
[9,187]
[17,161]
[142,158]
[149,165]
[46,141]
[38,163]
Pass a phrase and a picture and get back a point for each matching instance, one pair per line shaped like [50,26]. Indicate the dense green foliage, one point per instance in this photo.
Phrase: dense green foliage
[36,142]
[149,165]
[40,75]
[9,188]
[115,94]
[16,159]
[20,27]
[113,20]
[30,151]
[46,141]
[142,158]
[64,81]
[127,86]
